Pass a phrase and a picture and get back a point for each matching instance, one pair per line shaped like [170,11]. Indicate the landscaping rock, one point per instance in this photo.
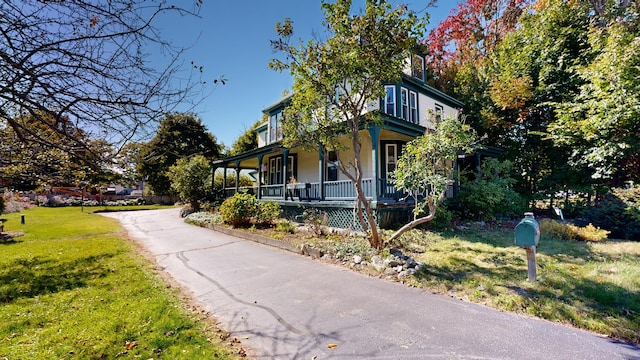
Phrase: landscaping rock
[389,272]
[311,251]
[357,259]
[377,263]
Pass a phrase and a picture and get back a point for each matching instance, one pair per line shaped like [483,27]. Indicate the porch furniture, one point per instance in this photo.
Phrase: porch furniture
[296,190]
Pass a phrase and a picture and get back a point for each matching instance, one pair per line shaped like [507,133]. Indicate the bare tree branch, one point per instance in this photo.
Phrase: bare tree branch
[89,62]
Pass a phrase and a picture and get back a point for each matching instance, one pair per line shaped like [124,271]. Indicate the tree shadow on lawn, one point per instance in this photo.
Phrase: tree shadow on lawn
[28,278]
[9,237]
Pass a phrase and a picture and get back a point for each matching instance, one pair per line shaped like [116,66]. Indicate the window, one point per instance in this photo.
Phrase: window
[404,95]
[291,168]
[276,169]
[392,158]
[439,111]
[275,127]
[413,107]
[417,67]
[390,100]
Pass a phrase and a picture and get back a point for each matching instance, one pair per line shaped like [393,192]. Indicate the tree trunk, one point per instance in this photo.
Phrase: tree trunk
[374,239]
[411,225]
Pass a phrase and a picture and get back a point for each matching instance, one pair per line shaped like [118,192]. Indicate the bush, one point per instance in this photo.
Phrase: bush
[618,212]
[560,231]
[316,220]
[442,220]
[489,195]
[243,209]
[238,210]
[267,213]
[286,226]
[203,218]
[12,202]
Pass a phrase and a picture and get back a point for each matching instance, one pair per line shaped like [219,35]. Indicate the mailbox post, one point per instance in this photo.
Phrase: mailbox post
[527,235]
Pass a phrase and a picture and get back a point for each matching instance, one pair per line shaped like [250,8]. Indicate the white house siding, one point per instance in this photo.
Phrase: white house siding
[427,107]
[308,161]
[307,166]
[262,138]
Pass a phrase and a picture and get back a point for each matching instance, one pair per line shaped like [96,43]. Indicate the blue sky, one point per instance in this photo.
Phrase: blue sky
[231,38]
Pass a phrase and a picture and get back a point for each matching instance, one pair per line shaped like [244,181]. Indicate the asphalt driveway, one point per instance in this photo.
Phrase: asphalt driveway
[287,306]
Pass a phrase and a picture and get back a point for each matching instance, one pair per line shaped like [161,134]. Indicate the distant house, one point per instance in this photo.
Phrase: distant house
[408,110]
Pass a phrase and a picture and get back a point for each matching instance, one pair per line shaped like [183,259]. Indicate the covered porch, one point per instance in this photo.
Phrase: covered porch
[284,174]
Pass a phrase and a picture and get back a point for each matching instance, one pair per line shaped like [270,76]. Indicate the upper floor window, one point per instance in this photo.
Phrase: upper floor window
[439,111]
[413,107]
[417,67]
[404,98]
[390,100]
[275,127]
[409,105]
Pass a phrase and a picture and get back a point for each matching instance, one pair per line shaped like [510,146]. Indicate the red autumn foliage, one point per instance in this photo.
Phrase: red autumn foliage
[468,33]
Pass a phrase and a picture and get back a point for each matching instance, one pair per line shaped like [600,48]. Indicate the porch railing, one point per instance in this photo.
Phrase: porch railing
[333,190]
[387,191]
[272,191]
[344,189]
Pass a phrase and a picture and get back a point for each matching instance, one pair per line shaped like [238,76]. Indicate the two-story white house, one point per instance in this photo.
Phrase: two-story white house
[408,110]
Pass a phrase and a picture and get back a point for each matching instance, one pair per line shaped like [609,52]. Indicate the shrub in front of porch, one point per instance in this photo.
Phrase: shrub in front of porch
[244,209]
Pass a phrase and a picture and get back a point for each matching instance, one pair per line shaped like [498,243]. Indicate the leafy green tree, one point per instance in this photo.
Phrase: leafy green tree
[179,135]
[602,122]
[337,78]
[191,179]
[425,168]
[27,162]
[529,71]
[247,141]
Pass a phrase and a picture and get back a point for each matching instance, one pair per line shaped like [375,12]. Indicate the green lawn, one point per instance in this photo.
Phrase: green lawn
[594,286]
[74,287]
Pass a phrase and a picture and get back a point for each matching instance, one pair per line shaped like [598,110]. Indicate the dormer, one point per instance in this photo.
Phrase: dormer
[414,67]
[271,132]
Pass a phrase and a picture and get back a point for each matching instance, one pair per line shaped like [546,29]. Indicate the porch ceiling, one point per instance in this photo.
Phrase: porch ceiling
[249,159]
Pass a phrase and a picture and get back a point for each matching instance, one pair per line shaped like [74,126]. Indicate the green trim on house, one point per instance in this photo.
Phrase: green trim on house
[248,155]
[433,92]
[278,104]
[401,126]
[263,127]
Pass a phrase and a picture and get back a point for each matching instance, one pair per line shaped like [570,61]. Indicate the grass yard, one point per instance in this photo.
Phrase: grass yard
[594,286]
[74,287]
[589,285]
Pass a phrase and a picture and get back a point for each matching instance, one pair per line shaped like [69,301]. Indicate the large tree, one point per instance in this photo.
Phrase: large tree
[247,141]
[335,79]
[601,123]
[89,62]
[526,74]
[180,135]
[26,164]
[464,38]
